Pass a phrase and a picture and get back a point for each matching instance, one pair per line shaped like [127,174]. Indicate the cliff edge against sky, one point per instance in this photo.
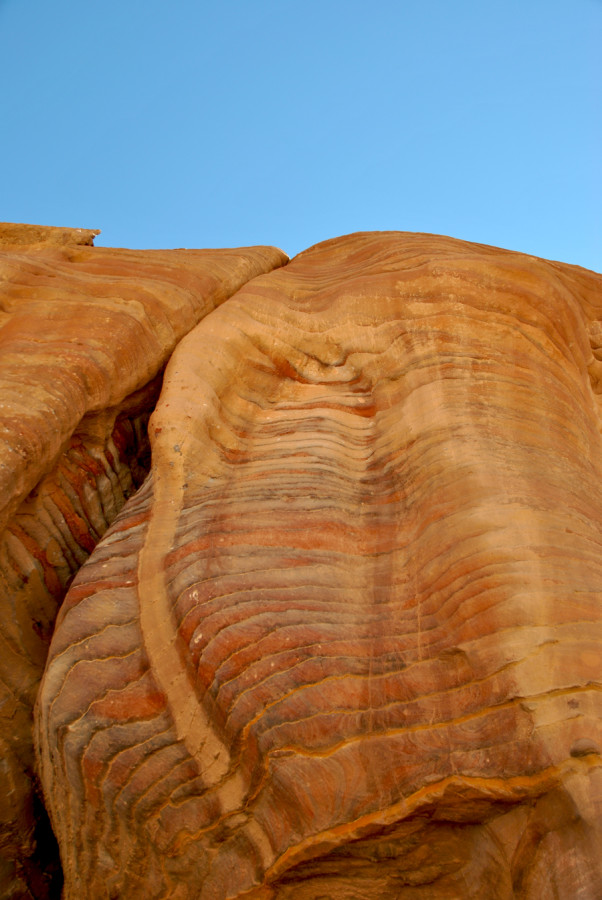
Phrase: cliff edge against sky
[335,624]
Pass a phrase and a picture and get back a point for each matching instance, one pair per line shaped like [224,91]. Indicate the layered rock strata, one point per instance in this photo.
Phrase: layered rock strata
[345,640]
[84,336]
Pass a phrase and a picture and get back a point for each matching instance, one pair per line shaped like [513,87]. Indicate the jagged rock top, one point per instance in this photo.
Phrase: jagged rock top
[15,234]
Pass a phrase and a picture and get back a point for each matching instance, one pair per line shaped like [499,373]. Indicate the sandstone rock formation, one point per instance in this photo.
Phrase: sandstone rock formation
[84,335]
[344,642]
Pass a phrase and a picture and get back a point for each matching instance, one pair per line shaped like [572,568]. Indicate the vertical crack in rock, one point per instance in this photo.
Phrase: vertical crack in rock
[345,640]
[46,541]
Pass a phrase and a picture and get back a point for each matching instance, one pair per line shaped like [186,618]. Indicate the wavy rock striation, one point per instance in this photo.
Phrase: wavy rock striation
[84,335]
[345,640]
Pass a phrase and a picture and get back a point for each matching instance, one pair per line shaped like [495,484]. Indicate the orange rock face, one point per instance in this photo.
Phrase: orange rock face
[84,336]
[345,640]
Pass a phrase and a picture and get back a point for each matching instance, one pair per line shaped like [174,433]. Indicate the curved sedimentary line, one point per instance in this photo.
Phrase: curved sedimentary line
[510,789]
[415,728]
[159,633]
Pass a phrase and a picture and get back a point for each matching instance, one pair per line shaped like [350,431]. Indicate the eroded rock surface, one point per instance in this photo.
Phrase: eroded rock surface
[345,640]
[84,336]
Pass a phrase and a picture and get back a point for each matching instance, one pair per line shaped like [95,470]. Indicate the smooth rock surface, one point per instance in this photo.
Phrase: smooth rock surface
[85,333]
[345,640]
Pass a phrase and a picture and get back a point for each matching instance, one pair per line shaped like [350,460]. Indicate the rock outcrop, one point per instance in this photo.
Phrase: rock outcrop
[344,642]
[84,336]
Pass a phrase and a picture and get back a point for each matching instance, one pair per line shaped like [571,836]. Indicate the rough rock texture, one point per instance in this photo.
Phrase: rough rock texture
[84,335]
[345,640]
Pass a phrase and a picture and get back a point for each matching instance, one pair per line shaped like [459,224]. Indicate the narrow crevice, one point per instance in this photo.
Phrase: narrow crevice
[45,544]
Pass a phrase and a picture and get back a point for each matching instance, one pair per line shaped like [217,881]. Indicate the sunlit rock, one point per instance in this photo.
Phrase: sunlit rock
[84,336]
[345,640]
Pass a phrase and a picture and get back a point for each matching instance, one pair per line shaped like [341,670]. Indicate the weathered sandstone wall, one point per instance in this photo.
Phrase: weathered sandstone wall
[84,336]
[344,641]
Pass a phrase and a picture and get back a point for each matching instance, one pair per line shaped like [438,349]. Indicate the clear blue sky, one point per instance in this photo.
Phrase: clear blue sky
[170,123]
